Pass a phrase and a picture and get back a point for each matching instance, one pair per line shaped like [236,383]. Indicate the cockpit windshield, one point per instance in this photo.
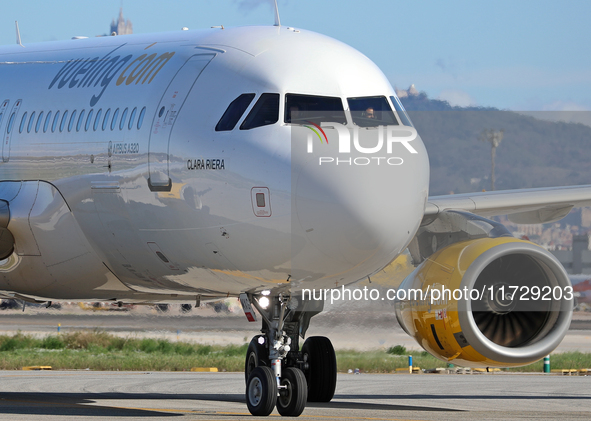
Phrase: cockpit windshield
[300,109]
[371,111]
[404,118]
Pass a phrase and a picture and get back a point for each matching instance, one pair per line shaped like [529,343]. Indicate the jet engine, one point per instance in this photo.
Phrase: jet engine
[487,302]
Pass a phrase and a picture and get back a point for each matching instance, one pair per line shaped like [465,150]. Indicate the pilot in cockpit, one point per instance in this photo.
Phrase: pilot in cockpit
[369,113]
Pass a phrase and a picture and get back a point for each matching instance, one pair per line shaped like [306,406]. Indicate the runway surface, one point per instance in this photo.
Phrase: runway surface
[220,396]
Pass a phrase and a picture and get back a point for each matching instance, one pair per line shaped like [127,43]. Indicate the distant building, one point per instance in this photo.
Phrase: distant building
[411,91]
[121,26]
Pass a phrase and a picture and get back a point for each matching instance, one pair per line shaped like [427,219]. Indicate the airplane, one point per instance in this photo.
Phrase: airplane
[245,162]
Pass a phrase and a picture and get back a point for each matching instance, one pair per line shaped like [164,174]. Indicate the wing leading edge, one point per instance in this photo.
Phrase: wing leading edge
[525,206]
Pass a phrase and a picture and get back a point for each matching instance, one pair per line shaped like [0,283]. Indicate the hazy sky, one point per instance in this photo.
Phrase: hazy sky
[510,54]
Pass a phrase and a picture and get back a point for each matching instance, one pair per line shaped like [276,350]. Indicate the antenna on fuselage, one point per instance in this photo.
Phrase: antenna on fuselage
[18,34]
[277,21]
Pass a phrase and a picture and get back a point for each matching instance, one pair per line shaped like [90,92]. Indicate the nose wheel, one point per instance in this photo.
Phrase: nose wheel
[293,394]
[262,394]
[261,391]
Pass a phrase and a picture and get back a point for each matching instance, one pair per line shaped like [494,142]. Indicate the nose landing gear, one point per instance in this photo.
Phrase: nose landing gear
[277,373]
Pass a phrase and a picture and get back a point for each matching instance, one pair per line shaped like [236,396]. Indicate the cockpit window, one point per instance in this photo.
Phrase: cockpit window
[264,112]
[234,112]
[404,118]
[300,109]
[371,111]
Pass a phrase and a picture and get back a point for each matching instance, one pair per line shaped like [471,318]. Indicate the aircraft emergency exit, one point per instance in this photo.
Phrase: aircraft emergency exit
[254,162]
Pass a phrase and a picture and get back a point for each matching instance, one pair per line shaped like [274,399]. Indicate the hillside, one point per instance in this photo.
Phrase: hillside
[533,152]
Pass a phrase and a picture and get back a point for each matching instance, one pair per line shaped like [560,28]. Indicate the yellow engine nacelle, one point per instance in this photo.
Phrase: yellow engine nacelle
[509,303]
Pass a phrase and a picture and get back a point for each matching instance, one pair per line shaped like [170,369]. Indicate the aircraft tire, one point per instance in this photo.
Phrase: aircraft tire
[261,391]
[321,374]
[292,400]
[256,355]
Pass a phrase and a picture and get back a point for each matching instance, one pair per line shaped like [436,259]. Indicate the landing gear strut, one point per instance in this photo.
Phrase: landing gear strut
[276,372]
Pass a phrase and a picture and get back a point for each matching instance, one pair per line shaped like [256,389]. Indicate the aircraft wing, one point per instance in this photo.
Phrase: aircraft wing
[524,206]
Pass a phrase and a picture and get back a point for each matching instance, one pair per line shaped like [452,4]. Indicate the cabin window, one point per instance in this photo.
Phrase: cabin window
[114,121]
[88,120]
[55,120]
[10,123]
[72,120]
[264,112]
[140,119]
[46,124]
[300,109]
[31,120]
[63,123]
[123,117]
[106,119]
[404,118]
[97,119]
[80,120]
[371,111]
[132,118]
[23,121]
[38,125]
[234,112]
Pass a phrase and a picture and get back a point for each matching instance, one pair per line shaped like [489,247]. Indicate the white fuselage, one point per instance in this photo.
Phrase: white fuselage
[167,208]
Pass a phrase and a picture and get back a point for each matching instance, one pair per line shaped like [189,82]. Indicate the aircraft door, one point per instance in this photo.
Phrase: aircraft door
[165,117]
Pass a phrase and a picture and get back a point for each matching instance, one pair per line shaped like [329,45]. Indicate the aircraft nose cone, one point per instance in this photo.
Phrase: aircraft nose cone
[351,218]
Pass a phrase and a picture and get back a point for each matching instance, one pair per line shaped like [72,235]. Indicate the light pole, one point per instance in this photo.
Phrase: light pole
[494,138]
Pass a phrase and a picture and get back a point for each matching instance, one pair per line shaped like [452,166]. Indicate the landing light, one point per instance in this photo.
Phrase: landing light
[266,292]
[264,302]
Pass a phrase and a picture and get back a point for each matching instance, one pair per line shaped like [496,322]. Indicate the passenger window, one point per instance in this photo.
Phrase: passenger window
[80,120]
[46,124]
[38,125]
[106,119]
[123,117]
[10,123]
[264,112]
[371,111]
[72,120]
[140,119]
[234,112]
[132,118]
[31,120]
[55,120]
[88,120]
[114,121]
[63,123]
[97,119]
[404,118]
[305,108]
[23,121]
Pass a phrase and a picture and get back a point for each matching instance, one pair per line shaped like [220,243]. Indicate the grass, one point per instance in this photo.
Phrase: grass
[98,350]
